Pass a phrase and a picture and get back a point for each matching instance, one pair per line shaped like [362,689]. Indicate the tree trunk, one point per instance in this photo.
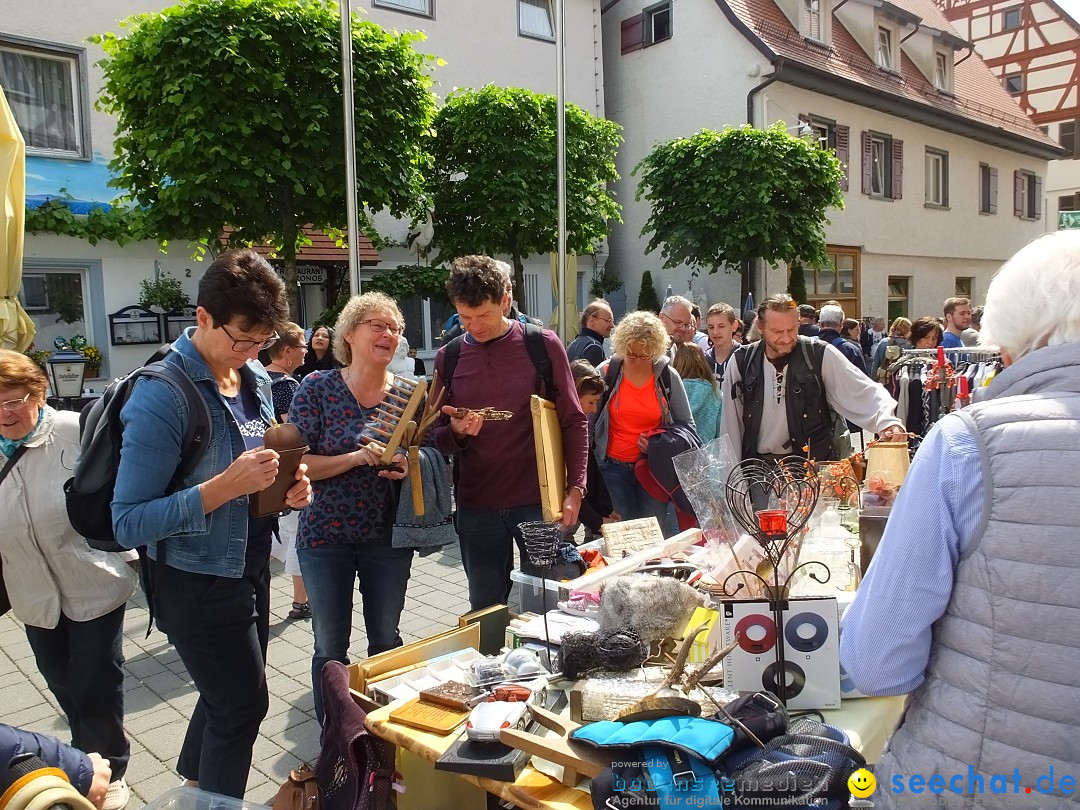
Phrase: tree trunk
[289,233]
[519,282]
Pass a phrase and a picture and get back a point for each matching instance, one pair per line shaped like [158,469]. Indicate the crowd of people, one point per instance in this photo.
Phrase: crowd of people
[618,383]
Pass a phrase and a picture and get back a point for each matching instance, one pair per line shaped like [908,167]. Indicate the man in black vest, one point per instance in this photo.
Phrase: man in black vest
[779,407]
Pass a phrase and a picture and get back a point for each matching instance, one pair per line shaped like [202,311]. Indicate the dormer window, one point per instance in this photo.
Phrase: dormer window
[885,59]
[811,20]
[942,72]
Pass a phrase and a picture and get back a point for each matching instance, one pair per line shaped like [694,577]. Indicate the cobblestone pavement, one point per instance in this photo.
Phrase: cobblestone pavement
[160,696]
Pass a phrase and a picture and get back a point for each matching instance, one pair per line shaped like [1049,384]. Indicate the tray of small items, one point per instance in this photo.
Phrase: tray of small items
[410,684]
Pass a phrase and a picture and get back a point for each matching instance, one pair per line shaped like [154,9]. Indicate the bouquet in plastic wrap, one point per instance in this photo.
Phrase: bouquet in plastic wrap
[703,472]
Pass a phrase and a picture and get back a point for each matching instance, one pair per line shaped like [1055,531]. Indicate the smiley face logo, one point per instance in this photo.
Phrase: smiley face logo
[862,784]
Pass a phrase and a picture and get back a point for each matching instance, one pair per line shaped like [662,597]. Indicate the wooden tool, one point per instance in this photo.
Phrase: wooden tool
[489,414]
[577,759]
[415,478]
[394,414]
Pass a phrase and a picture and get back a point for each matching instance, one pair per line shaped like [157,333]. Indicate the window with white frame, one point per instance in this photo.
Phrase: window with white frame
[942,72]
[44,88]
[424,8]
[812,27]
[657,22]
[899,297]
[937,178]
[885,48]
[1027,195]
[56,301]
[535,19]
[964,287]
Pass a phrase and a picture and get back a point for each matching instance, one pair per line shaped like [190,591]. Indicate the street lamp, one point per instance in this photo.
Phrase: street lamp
[67,369]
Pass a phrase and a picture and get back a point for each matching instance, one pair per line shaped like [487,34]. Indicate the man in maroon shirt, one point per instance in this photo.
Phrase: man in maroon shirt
[497,483]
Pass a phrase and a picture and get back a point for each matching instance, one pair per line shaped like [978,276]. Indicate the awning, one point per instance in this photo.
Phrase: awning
[16,328]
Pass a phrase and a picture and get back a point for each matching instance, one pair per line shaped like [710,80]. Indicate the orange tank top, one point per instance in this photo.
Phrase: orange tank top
[632,410]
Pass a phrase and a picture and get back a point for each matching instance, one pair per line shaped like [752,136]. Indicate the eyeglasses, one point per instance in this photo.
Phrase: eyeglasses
[248,345]
[378,327]
[636,356]
[677,324]
[13,405]
[608,319]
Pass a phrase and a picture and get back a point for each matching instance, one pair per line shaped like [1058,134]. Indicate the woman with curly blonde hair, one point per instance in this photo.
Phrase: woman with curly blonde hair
[645,393]
[345,535]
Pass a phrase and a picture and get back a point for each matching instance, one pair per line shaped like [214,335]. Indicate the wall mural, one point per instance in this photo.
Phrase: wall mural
[85,184]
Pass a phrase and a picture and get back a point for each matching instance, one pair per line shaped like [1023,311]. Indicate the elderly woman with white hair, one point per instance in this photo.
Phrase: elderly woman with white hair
[970,604]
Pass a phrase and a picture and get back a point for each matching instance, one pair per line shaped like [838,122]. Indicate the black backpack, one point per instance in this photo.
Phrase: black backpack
[534,344]
[611,376]
[89,492]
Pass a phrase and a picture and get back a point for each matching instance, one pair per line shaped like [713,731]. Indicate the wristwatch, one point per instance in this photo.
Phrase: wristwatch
[579,489]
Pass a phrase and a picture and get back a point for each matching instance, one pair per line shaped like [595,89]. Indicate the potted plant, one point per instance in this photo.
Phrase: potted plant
[163,294]
[94,358]
[39,356]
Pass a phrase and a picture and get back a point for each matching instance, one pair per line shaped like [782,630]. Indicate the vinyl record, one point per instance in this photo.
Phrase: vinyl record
[756,646]
[798,642]
[796,678]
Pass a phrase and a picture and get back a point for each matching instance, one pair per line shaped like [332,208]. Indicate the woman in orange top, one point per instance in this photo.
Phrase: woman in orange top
[645,393]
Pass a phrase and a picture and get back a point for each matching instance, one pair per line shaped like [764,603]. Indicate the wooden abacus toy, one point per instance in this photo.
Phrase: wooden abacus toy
[391,424]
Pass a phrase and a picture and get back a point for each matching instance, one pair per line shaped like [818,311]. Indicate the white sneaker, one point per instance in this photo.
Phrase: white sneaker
[118,795]
[191,783]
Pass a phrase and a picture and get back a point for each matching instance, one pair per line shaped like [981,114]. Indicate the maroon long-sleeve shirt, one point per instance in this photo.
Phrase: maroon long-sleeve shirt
[498,465]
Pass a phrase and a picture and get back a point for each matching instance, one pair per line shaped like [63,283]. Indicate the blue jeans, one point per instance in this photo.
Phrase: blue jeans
[330,573]
[487,553]
[628,497]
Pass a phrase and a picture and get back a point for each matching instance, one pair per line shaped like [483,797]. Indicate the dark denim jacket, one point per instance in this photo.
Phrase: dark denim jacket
[154,419]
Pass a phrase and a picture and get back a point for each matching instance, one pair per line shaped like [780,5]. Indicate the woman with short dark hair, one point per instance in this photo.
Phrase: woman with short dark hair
[211,557]
[926,333]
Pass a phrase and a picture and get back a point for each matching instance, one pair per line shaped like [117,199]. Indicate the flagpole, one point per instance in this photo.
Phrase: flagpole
[349,110]
[560,166]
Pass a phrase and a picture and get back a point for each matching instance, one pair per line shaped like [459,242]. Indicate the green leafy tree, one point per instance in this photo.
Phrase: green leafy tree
[229,112]
[796,286]
[720,199]
[647,299]
[493,184]
[408,280]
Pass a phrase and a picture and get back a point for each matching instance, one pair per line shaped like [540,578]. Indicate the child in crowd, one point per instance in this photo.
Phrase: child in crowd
[701,389]
[596,508]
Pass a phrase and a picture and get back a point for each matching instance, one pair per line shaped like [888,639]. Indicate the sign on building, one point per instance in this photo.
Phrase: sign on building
[1068,220]
[310,274]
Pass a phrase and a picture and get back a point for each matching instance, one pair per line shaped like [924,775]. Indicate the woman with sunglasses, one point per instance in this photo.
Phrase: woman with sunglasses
[345,535]
[69,597]
[646,393]
[211,573]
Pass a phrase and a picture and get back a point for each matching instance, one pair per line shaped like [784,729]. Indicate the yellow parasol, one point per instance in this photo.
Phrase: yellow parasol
[16,328]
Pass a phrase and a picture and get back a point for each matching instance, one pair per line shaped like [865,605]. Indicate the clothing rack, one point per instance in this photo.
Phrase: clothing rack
[926,391]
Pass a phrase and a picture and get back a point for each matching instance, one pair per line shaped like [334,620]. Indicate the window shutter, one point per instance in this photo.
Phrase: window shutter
[1018,193]
[993,190]
[843,150]
[633,33]
[867,163]
[1038,197]
[897,168]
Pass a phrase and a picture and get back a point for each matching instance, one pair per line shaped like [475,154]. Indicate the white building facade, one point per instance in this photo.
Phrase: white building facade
[930,141]
[50,76]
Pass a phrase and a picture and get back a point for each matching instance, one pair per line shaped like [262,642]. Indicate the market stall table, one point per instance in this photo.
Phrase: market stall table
[868,721]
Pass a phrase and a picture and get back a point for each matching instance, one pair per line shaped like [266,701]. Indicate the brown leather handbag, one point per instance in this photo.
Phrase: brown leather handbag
[299,792]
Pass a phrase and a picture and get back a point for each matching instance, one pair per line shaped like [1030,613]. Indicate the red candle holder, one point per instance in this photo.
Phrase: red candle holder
[772,521]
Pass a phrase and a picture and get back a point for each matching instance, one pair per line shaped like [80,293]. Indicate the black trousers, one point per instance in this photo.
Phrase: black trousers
[83,664]
[220,627]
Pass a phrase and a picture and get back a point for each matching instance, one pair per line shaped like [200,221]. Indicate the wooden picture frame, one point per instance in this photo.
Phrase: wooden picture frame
[550,467]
